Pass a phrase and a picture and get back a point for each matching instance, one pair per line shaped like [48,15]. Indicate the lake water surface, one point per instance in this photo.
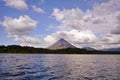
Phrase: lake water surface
[59,67]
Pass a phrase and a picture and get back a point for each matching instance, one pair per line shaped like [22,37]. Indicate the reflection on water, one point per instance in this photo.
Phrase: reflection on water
[59,67]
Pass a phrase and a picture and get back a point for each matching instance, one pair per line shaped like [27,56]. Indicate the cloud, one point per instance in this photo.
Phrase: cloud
[28,41]
[111,39]
[69,18]
[21,26]
[39,10]
[19,29]
[105,8]
[116,29]
[108,41]
[18,4]
[101,20]
[73,36]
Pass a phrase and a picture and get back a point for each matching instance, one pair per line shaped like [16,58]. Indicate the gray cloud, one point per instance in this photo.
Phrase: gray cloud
[111,39]
[116,30]
[117,26]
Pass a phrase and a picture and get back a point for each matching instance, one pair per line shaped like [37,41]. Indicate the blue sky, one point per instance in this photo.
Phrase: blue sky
[49,20]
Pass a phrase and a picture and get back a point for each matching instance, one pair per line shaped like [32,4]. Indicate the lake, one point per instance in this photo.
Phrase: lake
[59,67]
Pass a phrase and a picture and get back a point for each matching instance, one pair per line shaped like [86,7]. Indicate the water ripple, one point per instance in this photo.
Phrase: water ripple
[59,67]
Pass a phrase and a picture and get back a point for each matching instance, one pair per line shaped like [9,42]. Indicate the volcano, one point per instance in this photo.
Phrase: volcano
[61,44]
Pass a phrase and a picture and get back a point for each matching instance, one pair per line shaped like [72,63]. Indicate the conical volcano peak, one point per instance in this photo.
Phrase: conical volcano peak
[61,44]
[62,40]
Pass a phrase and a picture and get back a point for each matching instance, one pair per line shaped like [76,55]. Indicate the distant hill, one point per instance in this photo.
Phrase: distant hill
[112,49]
[88,48]
[61,44]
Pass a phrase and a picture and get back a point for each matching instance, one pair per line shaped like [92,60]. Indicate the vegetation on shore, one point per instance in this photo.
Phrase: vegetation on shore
[25,49]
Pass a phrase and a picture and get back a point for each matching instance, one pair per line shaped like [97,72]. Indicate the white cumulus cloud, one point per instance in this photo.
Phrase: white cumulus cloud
[37,9]
[18,4]
[22,25]
[19,29]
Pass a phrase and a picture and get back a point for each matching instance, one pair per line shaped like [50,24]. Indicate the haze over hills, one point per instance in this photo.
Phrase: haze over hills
[61,44]
[112,49]
[88,48]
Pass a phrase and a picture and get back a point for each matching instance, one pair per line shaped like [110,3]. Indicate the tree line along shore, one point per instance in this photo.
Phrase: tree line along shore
[31,50]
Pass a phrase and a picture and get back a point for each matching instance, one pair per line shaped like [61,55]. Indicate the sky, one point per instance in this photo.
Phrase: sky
[40,23]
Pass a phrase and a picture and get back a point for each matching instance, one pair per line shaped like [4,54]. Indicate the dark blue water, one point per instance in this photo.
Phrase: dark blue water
[59,67]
